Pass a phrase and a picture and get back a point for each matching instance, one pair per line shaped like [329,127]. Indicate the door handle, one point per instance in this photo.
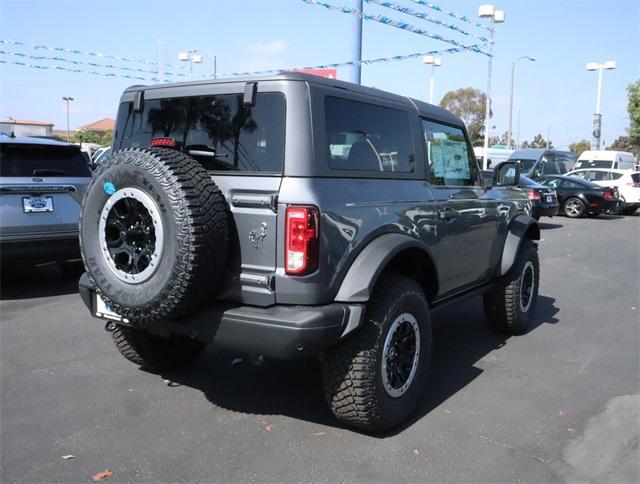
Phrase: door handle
[449,213]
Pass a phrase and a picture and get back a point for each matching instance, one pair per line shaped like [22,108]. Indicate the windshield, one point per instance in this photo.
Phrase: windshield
[525,165]
[29,160]
[594,164]
[219,131]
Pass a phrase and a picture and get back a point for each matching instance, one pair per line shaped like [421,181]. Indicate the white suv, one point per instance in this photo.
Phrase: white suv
[626,181]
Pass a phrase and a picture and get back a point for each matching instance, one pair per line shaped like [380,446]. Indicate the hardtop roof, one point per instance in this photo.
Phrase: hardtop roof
[423,108]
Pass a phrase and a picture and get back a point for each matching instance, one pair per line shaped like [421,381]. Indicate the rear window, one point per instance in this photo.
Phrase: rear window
[27,160]
[368,137]
[525,164]
[218,131]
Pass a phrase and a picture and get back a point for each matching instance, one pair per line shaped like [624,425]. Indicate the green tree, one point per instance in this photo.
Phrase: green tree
[106,138]
[622,143]
[86,136]
[580,147]
[633,108]
[537,142]
[468,104]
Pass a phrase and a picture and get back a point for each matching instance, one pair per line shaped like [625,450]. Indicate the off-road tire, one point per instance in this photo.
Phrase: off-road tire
[352,370]
[502,305]
[580,204]
[154,352]
[194,216]
[629,210]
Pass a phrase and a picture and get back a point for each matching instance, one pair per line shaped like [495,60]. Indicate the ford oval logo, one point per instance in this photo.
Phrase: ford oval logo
[38,179]
[38,204]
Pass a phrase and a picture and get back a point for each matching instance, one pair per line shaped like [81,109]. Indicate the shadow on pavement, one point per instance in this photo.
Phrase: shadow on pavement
[547,226]
[26,282]
[294,388]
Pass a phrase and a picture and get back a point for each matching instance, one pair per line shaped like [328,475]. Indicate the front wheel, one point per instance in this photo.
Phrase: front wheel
[374,378]
[573,208]
[510,304]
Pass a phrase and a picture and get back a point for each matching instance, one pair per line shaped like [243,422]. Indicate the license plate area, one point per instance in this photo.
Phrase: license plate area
[550,198]
[105,312]
[37,204]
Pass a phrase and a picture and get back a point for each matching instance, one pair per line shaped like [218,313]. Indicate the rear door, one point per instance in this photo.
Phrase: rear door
[467,213]
[41,189]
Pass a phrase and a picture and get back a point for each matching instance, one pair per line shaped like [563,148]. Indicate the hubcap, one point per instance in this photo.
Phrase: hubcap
[572,208]
[131,235]
[527,283]
[400,355]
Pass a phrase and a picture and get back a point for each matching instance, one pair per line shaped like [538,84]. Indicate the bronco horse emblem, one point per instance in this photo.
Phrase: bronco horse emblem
[258,235]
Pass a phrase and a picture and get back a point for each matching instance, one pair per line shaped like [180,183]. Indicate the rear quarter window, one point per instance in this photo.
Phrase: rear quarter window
[367,137]
[29,160]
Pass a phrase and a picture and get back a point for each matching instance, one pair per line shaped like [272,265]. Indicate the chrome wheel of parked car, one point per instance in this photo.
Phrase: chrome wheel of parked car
[131,235]
[573,208]
[401,355]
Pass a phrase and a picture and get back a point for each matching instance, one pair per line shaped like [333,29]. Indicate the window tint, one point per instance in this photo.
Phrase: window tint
[551,182]
[26,160]
[367,137]
[615,176]
[448,157]
[594,164]
[581,174]
[227,134]
[600,176]
[525,164]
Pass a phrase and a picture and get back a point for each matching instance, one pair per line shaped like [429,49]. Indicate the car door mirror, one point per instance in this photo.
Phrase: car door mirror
[506,174]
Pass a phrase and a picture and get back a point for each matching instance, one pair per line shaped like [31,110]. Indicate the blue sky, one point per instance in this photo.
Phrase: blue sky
[554,94]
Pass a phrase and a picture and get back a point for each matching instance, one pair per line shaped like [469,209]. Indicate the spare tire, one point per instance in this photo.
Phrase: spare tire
[154,234]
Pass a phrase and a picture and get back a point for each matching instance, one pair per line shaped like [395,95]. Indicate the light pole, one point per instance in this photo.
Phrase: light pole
[597,117]
[435,62]
[496,17]
[67,99]
[192,57]
[513,74]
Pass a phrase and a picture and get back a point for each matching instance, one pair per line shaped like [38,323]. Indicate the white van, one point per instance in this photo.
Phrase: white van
[495,156]
[618,160]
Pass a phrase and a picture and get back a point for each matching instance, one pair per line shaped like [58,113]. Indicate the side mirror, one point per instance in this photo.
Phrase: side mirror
[506,174]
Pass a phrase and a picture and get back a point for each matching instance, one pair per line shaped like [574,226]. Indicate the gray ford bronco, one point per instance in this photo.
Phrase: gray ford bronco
[295,216]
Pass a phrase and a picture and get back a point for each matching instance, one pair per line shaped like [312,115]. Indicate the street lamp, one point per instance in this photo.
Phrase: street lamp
[192,57]
[435,62]
[513,73]
[496,17]
[67,99]
[597,117]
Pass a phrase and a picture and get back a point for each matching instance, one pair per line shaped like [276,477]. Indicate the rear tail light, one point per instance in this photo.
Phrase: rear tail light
[301,240]
[166,142]
[607,195]
[533,194]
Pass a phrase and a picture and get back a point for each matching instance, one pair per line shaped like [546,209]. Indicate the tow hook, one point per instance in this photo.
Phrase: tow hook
[110,326]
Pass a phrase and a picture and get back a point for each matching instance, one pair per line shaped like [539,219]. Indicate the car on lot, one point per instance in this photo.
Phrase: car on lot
[536,162]
[544,200]
[42,183]
[295,216]
[626,181]
[617,160]
[578,197]
[101,155]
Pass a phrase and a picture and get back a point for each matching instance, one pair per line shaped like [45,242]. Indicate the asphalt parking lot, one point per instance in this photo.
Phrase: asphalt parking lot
[558,404]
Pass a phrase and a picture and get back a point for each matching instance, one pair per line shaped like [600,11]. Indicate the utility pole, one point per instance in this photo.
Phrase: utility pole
[67,99]
[597,116]
[357,42]
[513,74]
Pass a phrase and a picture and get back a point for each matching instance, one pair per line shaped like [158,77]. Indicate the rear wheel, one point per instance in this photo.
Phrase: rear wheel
[573,208]
[156,352]
[510,304]
[629,210]
[374,378]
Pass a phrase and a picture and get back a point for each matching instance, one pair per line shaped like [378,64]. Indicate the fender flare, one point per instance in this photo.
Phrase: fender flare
[518,228]
[358,283]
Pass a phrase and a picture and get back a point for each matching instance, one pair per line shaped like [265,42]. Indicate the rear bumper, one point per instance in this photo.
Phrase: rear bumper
[40,247]
[283,332]
[611,206]
[544,211]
